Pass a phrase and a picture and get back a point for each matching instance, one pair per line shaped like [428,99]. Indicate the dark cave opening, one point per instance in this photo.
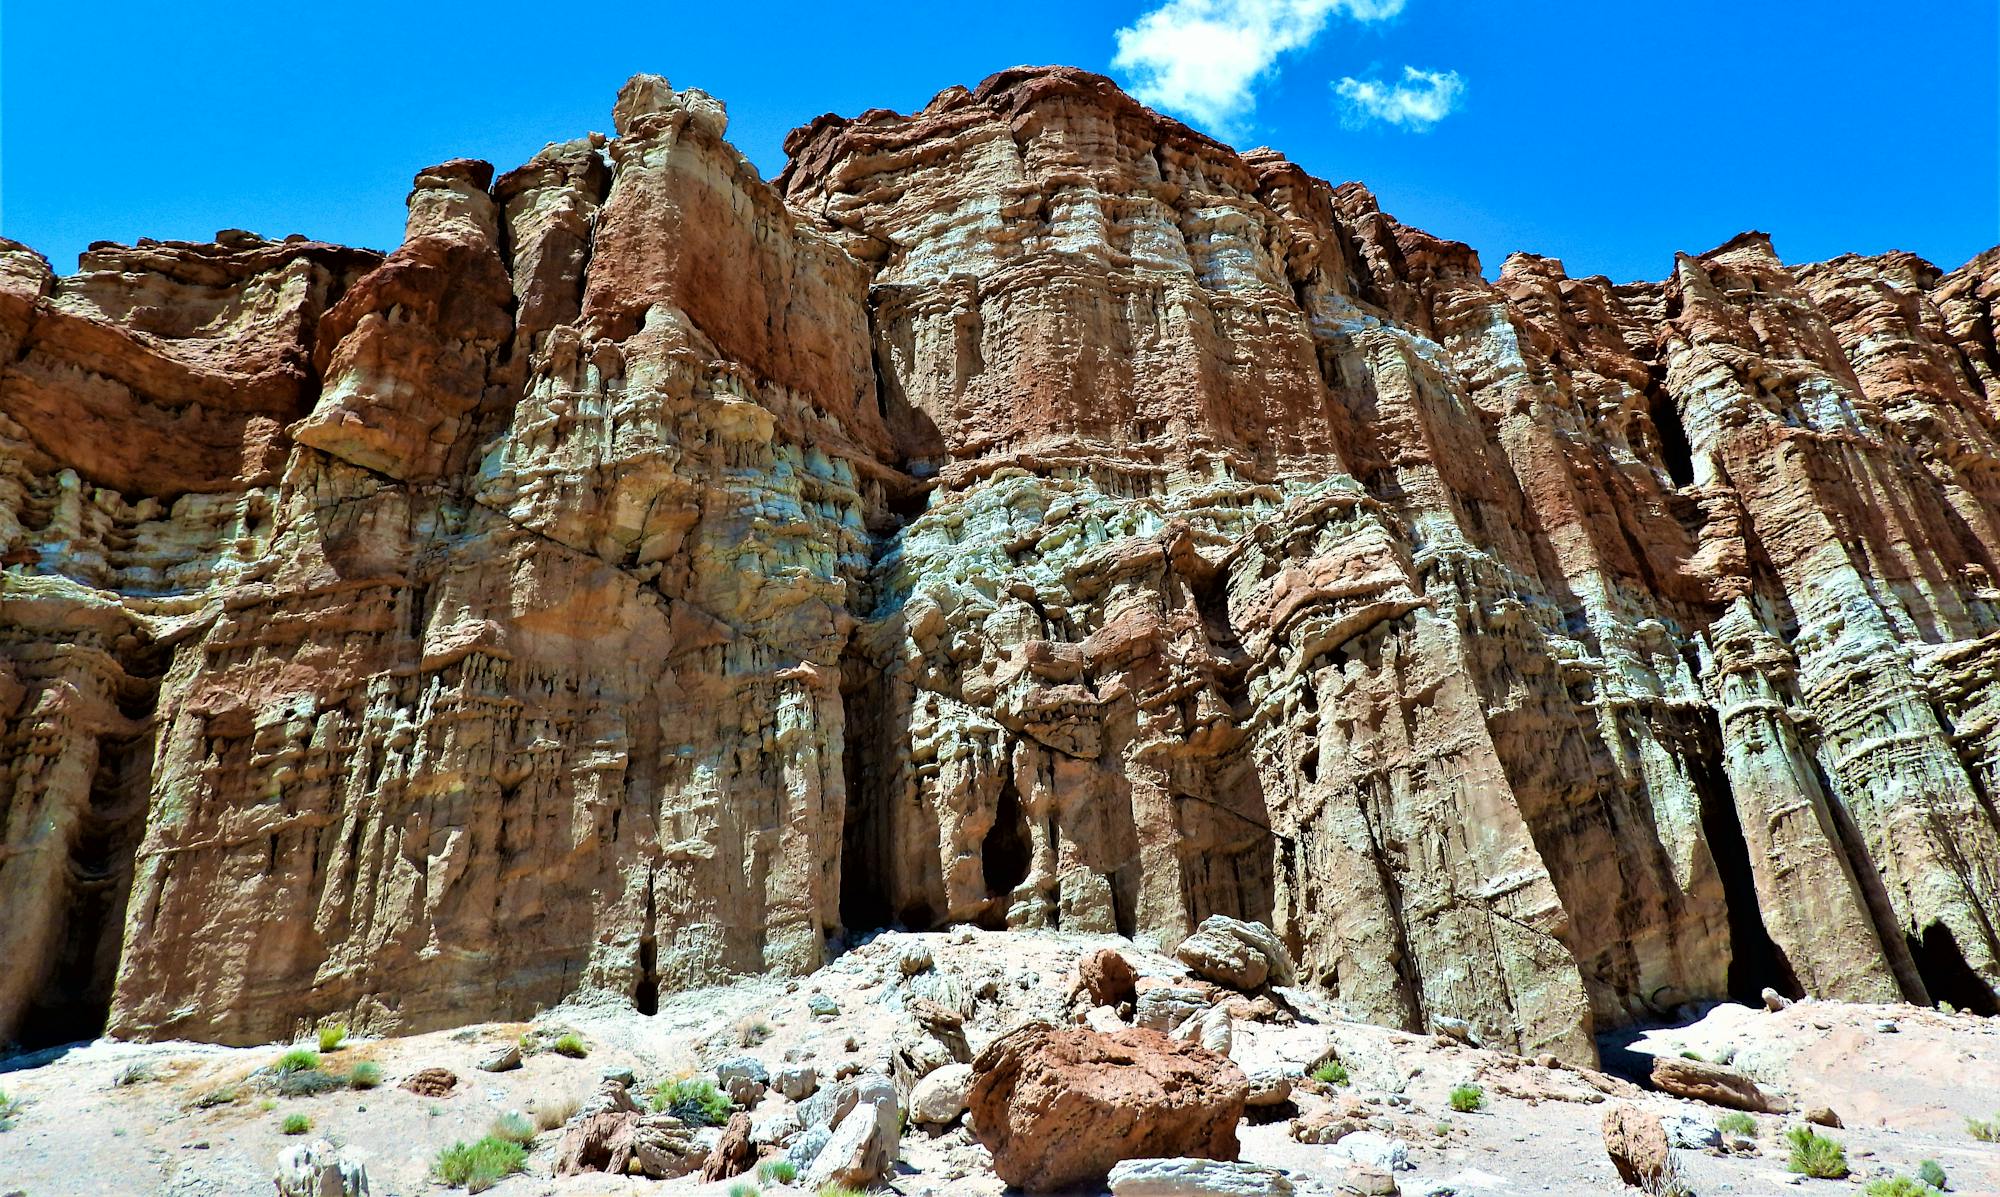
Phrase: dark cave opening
[1755,961]
[1676,453]
[1005,853]
[75,999]
[1946,974]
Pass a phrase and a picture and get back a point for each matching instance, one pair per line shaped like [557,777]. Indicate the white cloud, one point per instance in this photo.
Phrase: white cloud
[1420,100]
[1202,58]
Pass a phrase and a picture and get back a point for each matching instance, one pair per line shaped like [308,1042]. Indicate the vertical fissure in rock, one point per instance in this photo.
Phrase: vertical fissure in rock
[75,1000]
[1945,973]
[1676,452]
[646,994]
[1005,855]
[1756,962]
[1874,894]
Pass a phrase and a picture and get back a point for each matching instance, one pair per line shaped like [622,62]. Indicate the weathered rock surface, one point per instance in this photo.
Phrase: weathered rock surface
[1059,1108]
[1636,1141]
[1026,511]
[1197,1178]
[1699,1080]
[319,1169]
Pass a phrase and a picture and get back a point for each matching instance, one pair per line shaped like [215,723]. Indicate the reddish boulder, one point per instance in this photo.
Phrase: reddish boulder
[1059,1107]
[1636,1141]
[1698,1080]
[1107,978]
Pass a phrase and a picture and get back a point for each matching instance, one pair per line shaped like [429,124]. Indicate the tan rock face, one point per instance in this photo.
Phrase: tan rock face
[1025,511]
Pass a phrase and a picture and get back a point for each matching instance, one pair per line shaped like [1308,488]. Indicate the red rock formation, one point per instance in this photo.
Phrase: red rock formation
[1027,511]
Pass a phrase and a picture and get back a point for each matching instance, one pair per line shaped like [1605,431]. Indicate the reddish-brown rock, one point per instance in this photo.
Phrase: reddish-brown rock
[1058,1108]
[1699,1080]
[1637,1143]
[1026,511]
[1106,978]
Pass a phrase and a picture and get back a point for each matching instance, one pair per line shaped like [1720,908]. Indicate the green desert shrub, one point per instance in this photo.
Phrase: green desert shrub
[1736,1122]
[1898,1186]
[1986,1130]
[832,1190]
[694,1101]
[299,1059]
[476,1167]
[1465,1099]
[306,1082]
[1333,1072]
[1931,1174]
[569,1045]
[513,1127]
[296,1124]
[777,1172]
[1815,1155]
[332,1036]
[365,1075]
[742,1189]
[10,1109]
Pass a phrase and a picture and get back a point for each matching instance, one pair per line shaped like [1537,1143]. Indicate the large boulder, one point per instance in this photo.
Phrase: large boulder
[1107,978]
[1060,1107]
[1198,1178]
[1235,953]
[1698,1080]
[939,1099]
[733,1154]
[1636,1141]
[659,1146]
[319,1169]
[863,1143]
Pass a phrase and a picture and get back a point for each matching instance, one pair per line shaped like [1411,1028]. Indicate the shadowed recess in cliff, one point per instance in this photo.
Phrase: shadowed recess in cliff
[1755,961]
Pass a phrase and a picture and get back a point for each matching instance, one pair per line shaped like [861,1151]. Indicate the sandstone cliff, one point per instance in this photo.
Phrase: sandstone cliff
[1026,511]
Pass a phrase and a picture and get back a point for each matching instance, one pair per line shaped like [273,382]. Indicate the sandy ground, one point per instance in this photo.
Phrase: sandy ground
[1904,1096]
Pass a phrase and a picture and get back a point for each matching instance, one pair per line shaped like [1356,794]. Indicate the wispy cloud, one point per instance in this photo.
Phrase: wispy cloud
[1203,58]
[1421,99]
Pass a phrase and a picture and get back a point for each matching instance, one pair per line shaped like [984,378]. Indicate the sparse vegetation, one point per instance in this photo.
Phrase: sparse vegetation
[742,1189]
[134,1074]
[555,1111]
[216,1097]
[296,1124]
[1669,1181]
[831,1190]
[10,1109]
[365,1075]
[299,1059]
[777,1172]
[694,1101]
[569,1045]
[1736,1122]
[332,1036]
[1690,1055]
[752,1031]
[305,1082]
[1932,1174]
[1898,1186]
[1986,1130]
[476,1167]
[1333,1072]
[1465,1099]
[513,1127]
[1815,1155]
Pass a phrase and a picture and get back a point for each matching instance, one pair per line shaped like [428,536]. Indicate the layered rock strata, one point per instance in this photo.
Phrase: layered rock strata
[1025,511]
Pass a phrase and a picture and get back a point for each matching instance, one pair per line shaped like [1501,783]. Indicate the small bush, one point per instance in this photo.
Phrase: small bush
[332,1036]
[299,1059]
[1669,1181]
[752,1031]
[742,1189]
[571,1046]
[777,1172]
[214,1098]
[1898,1186]
[1815,1155]
[1691,1056]
[1736,1122]
[513,1127]
[1984,1129]
[296,1124]
[1931,1174]
[10,1109]
[1333,1072]
[694,1101]
[1465,1099]
[554,1112]
[308,1082]
[365,1075]
[832,1190]
[476,1167]
[134,1074]
[267,1105]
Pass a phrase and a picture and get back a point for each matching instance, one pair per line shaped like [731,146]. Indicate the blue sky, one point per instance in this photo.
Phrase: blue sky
[1608,134]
